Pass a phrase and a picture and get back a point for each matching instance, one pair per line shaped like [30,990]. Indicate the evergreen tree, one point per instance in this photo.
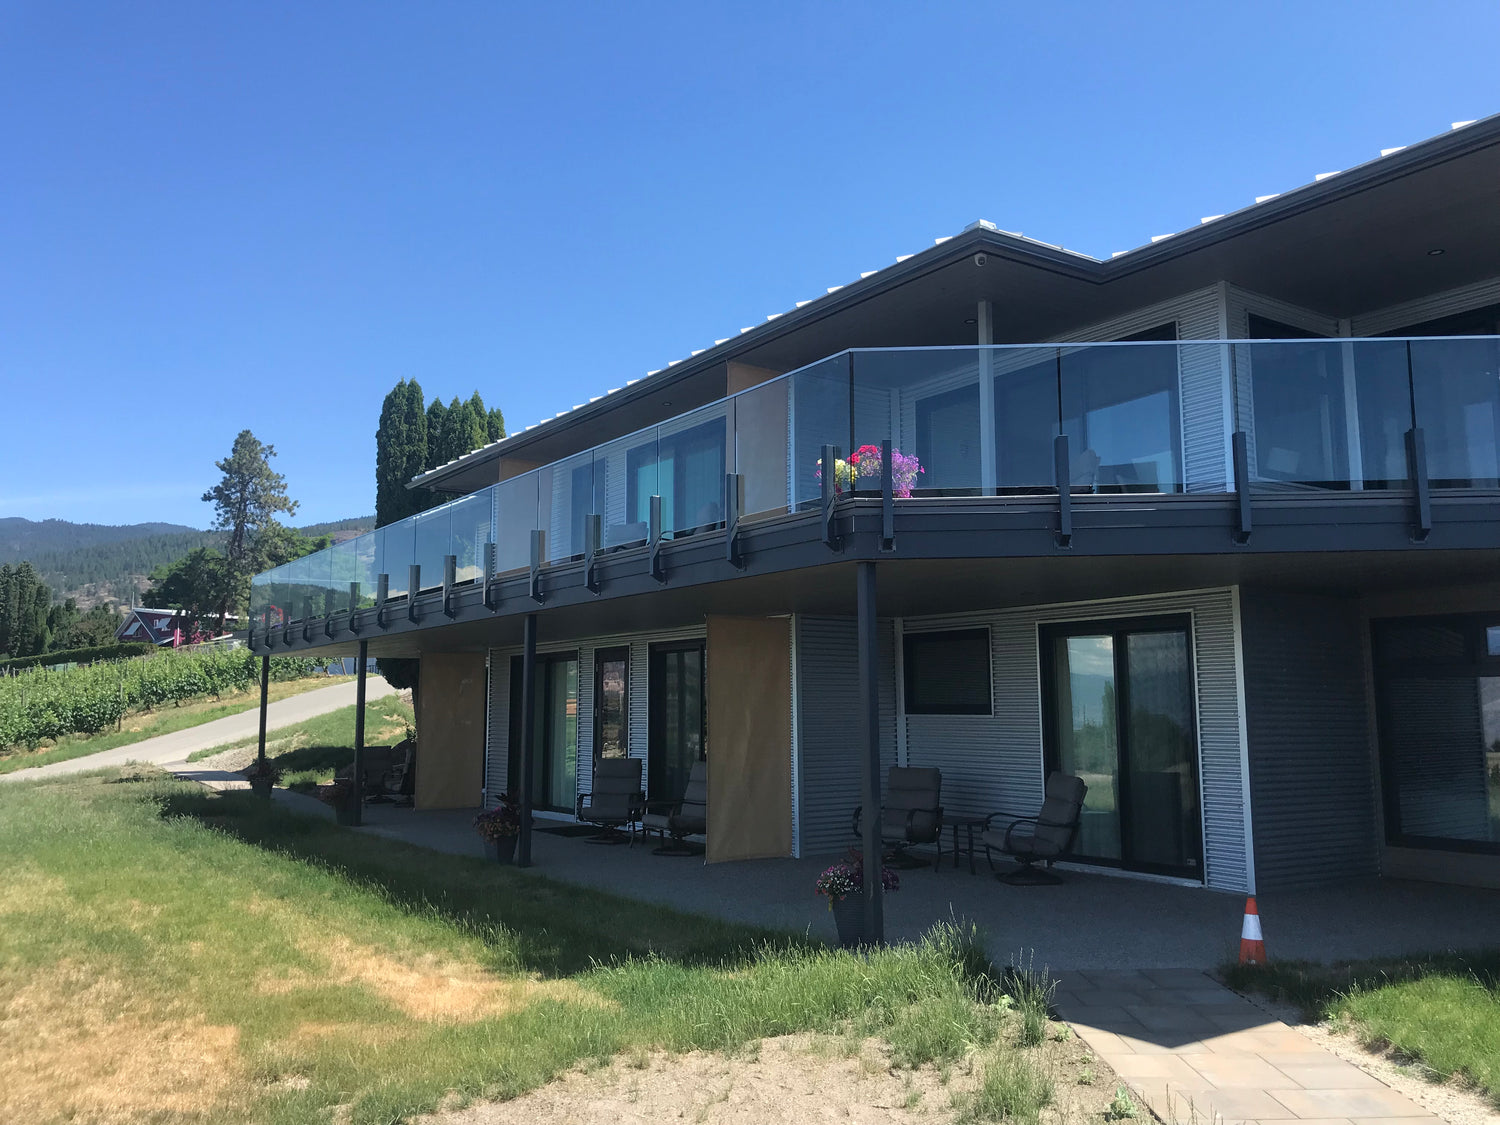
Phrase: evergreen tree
[400,453]
[246,501]
[494,424]
[437,436]
[197,584]
[24,604]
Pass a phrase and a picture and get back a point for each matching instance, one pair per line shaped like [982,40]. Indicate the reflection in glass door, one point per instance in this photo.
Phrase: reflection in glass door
[678,717]
[554,780]
[1121,716]
[612,703]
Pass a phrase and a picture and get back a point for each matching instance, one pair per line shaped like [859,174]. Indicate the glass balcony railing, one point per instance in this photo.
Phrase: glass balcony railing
[1140,418]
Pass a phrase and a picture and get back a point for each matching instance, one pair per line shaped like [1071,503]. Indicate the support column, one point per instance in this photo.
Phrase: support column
[358,772]
[265,687]
[528,737]
[869,745]
[987,460]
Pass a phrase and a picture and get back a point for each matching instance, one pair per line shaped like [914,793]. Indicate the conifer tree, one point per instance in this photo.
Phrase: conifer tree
[246,501]
[400,453]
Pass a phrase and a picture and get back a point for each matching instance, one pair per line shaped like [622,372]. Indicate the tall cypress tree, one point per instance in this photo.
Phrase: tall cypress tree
[401,448]
[437,436]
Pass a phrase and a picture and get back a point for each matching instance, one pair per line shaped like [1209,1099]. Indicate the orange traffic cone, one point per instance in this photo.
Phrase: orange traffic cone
[1252,943]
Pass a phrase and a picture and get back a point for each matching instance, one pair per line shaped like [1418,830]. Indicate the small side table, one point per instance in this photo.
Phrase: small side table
[968,824]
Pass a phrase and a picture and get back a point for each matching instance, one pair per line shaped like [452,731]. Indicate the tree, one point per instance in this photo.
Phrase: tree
[437,417]
[245,502]
[96,627]
[493,421]
[61,621]
[400,453]
[198,584]
[24,604]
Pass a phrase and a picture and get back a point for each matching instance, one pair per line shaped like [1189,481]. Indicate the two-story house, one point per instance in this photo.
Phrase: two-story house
[1213,523]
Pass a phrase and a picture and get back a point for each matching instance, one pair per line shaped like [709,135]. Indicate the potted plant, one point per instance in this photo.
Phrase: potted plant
[498,828]
[844,884]
[262,774]
[862,470]
[340,794]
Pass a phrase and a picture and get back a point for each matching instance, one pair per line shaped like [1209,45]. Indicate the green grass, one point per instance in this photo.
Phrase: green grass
[301,966]
[1441,1011]
[149,724]
[309,752]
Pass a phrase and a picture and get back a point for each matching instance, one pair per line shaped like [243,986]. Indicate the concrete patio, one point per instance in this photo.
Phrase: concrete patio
[1092,921]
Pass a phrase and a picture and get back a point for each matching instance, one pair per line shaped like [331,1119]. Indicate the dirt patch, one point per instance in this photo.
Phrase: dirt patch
[428,988]
[66,1059]
[807,1079]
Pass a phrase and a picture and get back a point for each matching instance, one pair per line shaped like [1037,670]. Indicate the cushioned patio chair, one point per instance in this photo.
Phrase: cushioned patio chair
[675,821]
[615,802]
[911,812]
[1044,838]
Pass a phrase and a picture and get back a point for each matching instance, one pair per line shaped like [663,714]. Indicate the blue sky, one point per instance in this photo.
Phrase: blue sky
[218,216]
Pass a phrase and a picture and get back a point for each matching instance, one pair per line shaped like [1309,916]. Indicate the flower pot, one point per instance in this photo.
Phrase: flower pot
[502,850]
[261,786]
[849,917]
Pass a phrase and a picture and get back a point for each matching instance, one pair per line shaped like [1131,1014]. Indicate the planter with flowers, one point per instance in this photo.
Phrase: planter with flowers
[862,471]
[262,774]
[340,794]
[498,828]
[844,885]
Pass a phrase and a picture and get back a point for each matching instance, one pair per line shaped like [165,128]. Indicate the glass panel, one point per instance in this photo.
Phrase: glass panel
[1121,414]
[365,568]
[1161,753]
[1442,751]
[1456,384]
[927,402]
[398,554]
[259,586]
[301,588]
[281,588]
[761,420]
[624,482]
[820,416]
[469,525]
[677,719]
[690,460]
[1026,418]
[567,499]
[612,703]
[516,519]
[1087,737]
[560,756]
[432,535]
[342,565]
[947,673]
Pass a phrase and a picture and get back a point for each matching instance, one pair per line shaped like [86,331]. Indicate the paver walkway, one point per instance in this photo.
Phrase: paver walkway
[171,750]
[1196,1052]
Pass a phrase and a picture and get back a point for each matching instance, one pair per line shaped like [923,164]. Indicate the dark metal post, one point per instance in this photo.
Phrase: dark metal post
[869,745]
[265,688]
[358,796]
[654,533]
[829,471]
[536,565]
[491,587]
[1416,452]
[450,579]
[382,594]
[354,607]
[593,533]
[528,733]
[1062,468]
[413,588]
[734,497]
[1241,448]
[887,497]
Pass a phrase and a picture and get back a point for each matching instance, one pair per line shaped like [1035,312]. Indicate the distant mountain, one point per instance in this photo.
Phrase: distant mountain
[101,562]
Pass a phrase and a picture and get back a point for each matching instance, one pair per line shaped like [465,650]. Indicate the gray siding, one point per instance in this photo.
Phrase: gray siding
[827,735]
[994,763]
[1312,778]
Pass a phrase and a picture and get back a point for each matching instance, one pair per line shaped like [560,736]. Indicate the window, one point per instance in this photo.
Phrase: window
[1438,686]
[687,471]
[947,673]
[612,703]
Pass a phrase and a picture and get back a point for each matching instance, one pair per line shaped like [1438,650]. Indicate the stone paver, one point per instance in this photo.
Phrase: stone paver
[1195,1052]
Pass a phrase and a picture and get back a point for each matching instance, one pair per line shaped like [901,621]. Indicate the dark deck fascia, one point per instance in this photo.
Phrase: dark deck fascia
[1020,528]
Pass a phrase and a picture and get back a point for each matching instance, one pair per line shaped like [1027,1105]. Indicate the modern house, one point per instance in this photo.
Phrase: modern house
[1213,523]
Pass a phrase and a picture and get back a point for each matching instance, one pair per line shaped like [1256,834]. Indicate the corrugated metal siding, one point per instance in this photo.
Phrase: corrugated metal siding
[498,727]
[828,779]
[1428,308]
[994,763]
[1202,373]
[1312,779]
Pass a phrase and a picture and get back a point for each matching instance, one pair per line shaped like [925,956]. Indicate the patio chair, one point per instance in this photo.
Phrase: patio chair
[675,821]
[616,801]
[1048,838]
[911,813]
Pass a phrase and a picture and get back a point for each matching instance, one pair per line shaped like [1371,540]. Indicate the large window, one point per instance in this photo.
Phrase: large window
[1438,687]
[554,777]
[947,673]
[612,703]
[678,717]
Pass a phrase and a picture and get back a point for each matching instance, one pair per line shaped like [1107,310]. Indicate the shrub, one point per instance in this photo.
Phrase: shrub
[90,655]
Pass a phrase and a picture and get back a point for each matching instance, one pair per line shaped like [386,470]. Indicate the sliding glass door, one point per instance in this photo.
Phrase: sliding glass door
[612,703]
[1120,714]
[554,782]
[678,717]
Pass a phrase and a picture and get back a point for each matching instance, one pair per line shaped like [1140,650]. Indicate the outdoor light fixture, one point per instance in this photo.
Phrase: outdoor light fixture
[1436,252]
[971,320]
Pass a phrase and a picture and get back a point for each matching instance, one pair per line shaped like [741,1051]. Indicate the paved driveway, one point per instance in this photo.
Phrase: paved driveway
[172,750]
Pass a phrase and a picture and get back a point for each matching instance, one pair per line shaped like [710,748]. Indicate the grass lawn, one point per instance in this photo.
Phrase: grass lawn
[310,752]
[164,720]
[174,955]
[1441,1012]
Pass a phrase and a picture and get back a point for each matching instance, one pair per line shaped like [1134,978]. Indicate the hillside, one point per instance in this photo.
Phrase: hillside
[101,562]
